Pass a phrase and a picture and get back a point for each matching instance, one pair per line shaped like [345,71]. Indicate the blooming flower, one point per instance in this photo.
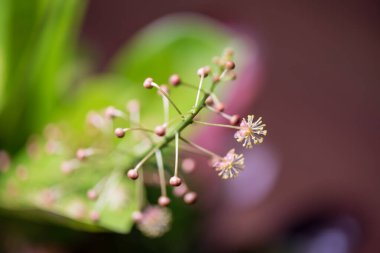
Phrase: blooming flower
[230,165]
[251,131]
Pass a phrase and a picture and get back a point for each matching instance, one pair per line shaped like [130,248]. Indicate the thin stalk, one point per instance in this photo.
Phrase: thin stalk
[200,148]
[199,91]
[189,85]
[223,114]
[167,96]
[176,154]
[223,74]
[140,191]
[146,157]
[165,103]
[217,125]
[138,129]
[161,172]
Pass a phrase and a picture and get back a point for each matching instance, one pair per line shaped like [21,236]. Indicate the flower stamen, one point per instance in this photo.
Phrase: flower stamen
[251,132]
[230,165]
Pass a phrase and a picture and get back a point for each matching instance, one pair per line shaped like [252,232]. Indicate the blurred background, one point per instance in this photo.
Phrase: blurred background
[313,72]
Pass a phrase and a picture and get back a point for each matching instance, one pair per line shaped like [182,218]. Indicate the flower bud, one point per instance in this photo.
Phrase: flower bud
[83,153]
[229,65]
[228,53]
[160,131]
[133,174]
[219,107]
[119,132]
[180,190]
[148,83]
[94,216]
[92,194]
[137,216]
[235,120]
[188,165]
[190,198]
[216,79]
[209,101]
[175,80]
[204,71]
[68,166]
[110,112]
[175,181]
[163,201]
[163,89]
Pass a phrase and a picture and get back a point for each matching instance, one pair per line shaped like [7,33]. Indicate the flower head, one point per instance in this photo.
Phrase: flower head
[230,165]
[251,131]
[155,221]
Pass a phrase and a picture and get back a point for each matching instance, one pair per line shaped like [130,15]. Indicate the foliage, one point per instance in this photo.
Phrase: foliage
[39,64]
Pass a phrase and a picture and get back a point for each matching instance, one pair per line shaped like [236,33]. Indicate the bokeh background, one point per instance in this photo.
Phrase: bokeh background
[314,185]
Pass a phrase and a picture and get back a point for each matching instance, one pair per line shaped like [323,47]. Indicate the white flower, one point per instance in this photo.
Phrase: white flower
[230,165]
[251,131]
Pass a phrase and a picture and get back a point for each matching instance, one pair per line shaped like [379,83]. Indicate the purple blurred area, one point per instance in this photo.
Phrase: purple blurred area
[316,180]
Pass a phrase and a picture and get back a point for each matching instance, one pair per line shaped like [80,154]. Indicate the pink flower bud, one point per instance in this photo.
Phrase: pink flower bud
[219,107]
[119,132]
[137,216]
[180,190]
[188,165]
[175,181]
[92,194]
[148,83]
[235,120]
[216,79]
[209,101]
[94,216]
[229,65]
[163,201]
[190,198]
[175,80]
[133,174]
[163,89]
[110,112]
[160,131]
[204,71]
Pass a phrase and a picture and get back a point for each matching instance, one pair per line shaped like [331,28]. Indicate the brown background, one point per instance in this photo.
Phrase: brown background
[321,101]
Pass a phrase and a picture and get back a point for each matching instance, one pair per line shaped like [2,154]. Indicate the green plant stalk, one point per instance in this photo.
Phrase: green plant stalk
[182,126]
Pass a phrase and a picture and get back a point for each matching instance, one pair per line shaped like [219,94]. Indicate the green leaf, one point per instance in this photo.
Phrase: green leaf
[36,48]
[178,44]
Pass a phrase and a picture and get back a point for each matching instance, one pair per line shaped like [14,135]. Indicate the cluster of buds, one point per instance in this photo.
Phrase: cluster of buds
[154,220]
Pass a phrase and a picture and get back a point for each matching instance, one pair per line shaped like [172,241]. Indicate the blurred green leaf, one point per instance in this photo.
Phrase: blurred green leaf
[37,41]
[179,44]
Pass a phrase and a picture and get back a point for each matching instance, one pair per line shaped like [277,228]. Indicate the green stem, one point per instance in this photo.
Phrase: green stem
[187,120]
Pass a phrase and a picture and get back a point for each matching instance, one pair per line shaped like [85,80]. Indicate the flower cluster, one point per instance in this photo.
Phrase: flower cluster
[247,131]
[147,148]
[154,220]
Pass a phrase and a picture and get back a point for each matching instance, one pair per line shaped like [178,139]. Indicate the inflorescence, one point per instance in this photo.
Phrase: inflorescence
[154,220]
[247,131]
